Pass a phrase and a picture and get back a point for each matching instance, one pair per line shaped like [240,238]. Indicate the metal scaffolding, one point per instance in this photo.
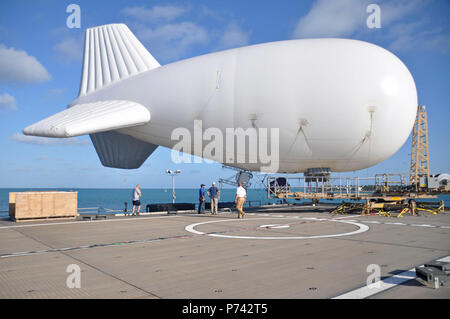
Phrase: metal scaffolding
[420,160]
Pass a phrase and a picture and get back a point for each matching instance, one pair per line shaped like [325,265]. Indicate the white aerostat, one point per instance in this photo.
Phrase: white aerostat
[337,103]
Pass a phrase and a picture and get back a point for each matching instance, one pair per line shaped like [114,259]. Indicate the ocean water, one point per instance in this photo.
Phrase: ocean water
[114,198]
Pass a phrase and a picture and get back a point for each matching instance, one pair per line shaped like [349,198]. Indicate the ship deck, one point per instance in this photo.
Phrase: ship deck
[274,252]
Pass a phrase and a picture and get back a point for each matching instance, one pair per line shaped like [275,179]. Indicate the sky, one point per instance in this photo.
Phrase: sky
[41,60]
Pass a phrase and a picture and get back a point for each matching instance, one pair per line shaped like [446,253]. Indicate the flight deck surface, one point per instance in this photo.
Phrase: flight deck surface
[283,252]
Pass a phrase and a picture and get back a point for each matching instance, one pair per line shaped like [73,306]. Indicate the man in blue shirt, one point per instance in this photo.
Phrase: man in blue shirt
[213,194]
[201,199]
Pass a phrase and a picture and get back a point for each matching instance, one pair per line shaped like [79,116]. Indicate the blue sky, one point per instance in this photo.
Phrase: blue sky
[40,70]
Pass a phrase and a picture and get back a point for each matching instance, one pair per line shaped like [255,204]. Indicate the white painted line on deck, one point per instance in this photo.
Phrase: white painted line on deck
[345,217]
[276,226]
[141,214]
[191,228]
[90,221]
[399,224]
[385,284]
[423,225]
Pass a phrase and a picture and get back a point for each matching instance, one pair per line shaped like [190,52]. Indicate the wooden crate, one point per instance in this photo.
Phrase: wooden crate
[29,206]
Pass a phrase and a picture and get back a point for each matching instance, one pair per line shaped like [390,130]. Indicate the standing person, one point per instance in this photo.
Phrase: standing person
[201,199]
[213,194]
[241,196]
[136,202]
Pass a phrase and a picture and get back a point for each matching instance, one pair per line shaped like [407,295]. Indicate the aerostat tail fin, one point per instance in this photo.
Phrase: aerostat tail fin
[118,150]
[112,53]
[91,118]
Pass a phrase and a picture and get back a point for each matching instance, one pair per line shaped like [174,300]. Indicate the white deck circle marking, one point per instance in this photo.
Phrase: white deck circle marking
[275,226]
[361,229]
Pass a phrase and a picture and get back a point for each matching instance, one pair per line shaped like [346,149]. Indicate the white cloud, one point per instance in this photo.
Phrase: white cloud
[163,31]
[233,37]
[205,11]
[54,93]
[48,141]
[392,11]
[155,14]
[187,33]
[332,19]
[402,24]
[407,28]
[415,35]
[169,36]
[16,66]
[7,102]
[70,49]
[173,40]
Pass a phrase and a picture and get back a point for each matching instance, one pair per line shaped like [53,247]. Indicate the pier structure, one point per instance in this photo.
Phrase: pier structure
[382,193]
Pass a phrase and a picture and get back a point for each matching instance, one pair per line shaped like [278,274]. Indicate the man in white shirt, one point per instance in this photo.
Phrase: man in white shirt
[136,202]
[241,196]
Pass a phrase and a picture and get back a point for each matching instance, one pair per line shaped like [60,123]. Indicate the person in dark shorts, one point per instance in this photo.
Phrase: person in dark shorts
[201,199]
[136,202]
